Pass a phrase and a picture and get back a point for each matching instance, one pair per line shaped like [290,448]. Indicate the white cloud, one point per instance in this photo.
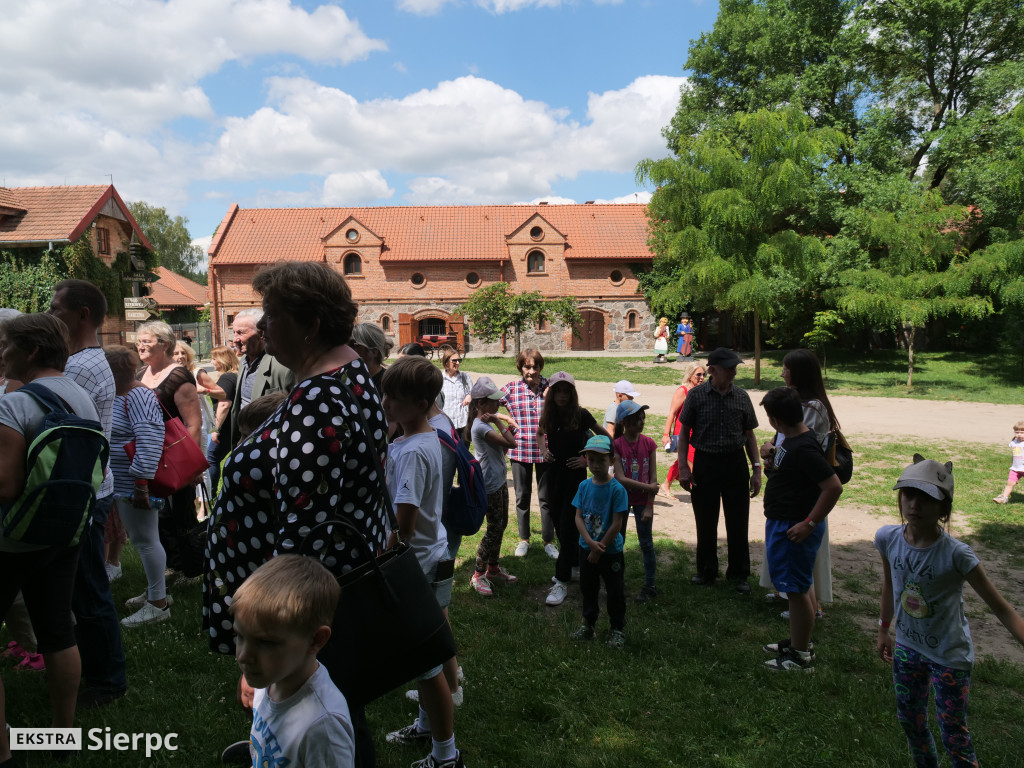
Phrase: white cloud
[359,187]
[430,7]
[465,140]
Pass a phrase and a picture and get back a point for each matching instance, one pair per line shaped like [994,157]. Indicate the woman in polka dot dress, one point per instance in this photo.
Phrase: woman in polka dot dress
[310,462]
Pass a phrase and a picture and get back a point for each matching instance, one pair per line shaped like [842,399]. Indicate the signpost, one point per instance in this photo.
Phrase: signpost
[140,302]
[131,337]
[140,277]
[136,314]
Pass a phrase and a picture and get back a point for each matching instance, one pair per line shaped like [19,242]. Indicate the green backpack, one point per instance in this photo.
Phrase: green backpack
[64,468]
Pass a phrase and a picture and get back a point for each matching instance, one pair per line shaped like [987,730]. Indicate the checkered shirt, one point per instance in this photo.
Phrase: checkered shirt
[524,405]
[720,422]
[89,369]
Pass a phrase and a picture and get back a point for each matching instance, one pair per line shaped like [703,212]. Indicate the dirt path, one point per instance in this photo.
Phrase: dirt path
[855,563]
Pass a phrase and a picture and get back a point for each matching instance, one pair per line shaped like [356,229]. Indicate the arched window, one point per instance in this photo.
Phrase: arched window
[535,261]
[385,324]
[353,265]
[632,320]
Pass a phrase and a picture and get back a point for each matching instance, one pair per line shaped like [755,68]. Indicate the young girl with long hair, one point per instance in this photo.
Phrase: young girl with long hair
[562,433]
[636,467]
[802,371]
[492,434]
[924,570]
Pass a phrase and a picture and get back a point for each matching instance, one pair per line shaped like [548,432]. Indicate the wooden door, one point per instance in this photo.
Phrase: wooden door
[590,336]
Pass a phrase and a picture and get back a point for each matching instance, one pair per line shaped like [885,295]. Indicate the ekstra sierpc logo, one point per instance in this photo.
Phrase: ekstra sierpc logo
[96,739]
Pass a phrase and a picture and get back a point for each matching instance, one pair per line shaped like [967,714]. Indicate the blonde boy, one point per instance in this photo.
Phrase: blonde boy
[282,615]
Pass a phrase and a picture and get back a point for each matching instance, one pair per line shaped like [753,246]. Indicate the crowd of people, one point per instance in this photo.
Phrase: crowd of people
[314,437]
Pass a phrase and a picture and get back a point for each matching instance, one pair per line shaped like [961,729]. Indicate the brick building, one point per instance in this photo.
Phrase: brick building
[410,267]
[44,217]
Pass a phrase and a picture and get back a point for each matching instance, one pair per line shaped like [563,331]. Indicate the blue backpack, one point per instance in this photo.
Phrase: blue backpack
[467,501]
[64,468]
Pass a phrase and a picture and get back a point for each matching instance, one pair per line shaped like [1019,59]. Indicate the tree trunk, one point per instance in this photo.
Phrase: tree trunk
[519,344]
[757,349]
[909,332]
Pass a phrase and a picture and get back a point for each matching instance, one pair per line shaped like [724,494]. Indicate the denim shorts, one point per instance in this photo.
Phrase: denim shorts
[791,565]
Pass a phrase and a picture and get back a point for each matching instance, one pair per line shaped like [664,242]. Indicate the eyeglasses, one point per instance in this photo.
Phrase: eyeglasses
[455,360]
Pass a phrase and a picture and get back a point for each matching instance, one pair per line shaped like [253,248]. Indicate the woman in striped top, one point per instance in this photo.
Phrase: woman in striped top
[138,417]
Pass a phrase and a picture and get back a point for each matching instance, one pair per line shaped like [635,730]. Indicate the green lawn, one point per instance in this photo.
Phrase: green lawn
[989,378]
[688,689]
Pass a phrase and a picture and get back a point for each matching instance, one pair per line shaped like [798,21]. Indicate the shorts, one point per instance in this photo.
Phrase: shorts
[1014,476]
[443,593]
[790,565]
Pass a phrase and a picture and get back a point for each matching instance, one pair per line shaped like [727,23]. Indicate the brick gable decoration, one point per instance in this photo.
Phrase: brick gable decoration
[409,267]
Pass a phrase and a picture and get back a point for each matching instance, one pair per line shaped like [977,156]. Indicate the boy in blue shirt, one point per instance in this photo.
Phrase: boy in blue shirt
[601,506]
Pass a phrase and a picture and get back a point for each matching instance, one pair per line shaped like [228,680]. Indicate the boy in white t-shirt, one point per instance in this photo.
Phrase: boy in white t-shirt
[282,615]
[414,476]
[1017,466]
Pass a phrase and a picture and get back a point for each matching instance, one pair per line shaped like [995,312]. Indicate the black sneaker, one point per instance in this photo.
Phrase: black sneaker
[430,762]
[237,754]
[646,595]
[408,735]
[774,648]
[742,587]
[91,698]
[703,581]
[789,660]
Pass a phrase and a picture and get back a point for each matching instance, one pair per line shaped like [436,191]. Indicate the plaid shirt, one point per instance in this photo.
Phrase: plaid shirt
[720,422]
[524,405]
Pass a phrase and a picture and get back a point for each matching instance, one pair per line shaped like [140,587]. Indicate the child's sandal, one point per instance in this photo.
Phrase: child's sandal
[1000,499]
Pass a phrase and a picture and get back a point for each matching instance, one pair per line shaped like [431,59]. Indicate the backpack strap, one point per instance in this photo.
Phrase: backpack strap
[47,398]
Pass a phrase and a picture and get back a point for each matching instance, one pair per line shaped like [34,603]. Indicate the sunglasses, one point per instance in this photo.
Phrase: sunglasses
[699,375]
[455,360]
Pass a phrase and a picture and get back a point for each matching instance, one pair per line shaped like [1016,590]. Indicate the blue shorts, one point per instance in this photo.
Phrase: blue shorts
[791,566]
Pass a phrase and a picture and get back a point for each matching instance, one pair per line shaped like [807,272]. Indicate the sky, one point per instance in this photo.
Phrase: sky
[197,104]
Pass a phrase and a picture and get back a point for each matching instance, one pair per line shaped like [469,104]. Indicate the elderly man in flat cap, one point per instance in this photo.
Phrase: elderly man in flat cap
[723,422]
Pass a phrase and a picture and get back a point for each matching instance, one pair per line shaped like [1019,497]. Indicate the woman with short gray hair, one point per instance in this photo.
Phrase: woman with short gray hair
[370,341]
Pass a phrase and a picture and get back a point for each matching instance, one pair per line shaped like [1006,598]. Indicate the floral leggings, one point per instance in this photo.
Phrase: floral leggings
[497,521]
[911,674]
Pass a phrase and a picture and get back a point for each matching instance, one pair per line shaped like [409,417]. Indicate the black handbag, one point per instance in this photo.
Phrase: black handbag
[388,628]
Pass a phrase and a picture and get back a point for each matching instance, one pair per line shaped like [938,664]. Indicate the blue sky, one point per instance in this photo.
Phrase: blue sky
[197,104]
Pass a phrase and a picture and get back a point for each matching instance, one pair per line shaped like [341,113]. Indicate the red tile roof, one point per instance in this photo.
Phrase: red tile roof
[57,214]
[418,233]
[173,290]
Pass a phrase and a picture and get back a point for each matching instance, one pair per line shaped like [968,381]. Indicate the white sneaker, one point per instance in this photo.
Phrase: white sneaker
[147,614]
[557,594]
[457,698]
[522,548]
[551,550]
[113,572]
[140,600]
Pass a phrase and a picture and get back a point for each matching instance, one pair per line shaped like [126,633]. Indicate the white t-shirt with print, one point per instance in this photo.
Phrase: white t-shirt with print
[414,476]
[311,728]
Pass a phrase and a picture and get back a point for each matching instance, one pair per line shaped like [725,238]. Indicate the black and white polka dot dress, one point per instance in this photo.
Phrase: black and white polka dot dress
[307,464]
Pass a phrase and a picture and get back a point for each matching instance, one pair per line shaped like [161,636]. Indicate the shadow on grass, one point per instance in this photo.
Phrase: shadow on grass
[1007,538]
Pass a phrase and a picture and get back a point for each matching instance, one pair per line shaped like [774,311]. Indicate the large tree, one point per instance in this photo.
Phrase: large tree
[918,214]
[732,219]
[170,239]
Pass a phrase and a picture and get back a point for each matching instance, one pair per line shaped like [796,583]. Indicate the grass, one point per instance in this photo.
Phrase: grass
[987,378]
[687,690]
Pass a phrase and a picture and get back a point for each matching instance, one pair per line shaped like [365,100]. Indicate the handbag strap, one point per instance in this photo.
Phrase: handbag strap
[374,454]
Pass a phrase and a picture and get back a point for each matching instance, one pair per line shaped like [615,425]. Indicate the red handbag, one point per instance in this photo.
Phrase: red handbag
[181,461]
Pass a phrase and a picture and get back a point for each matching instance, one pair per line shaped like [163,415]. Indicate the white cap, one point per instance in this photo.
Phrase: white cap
[625,388]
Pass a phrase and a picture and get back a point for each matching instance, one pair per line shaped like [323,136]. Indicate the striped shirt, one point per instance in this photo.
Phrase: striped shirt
[137,416]
[89,369]
[524,406]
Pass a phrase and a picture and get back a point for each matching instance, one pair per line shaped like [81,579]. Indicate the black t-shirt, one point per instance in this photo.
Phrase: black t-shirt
[793,481]
[228,381]
[566,443]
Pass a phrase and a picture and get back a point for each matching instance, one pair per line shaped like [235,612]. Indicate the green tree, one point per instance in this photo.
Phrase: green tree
[497,310]
[170,239]
[731,218]
[26,281]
